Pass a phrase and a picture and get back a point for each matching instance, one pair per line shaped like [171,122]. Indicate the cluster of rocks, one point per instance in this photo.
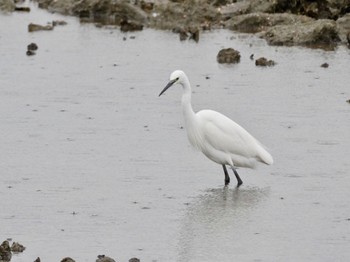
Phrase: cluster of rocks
[6,254]
[312,23]
[6,250]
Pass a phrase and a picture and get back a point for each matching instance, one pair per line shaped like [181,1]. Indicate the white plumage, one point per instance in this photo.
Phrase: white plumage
[218,137]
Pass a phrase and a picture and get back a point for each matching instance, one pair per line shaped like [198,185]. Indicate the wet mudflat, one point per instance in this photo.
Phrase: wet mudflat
[94,162]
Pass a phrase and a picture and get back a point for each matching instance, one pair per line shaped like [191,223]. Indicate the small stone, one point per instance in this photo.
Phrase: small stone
[134,259]
[37,260]
[32,47]
[67,259]
[228,56]
[58,22]
[262,61]
[5,252]
[22,9]
[34,27]
[194,33]
[127,26]
[325,65]
[103,258]
[17,247]
[30,53]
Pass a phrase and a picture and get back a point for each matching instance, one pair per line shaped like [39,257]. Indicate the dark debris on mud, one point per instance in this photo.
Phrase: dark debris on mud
[6,252]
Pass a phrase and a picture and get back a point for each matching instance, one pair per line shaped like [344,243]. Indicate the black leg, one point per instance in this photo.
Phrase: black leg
[239,180]
[227,177]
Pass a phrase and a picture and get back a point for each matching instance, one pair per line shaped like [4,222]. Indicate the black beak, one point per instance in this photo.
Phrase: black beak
[167,86]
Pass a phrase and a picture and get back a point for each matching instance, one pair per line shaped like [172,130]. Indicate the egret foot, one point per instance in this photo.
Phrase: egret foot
[239,180]
[227,177]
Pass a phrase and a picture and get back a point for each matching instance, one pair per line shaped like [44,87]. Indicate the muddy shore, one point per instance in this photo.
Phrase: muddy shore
[321,24]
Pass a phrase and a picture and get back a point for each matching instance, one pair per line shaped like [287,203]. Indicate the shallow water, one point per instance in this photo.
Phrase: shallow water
[94,162]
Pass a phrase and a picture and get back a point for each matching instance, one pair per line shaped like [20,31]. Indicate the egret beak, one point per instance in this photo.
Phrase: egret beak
[167,86]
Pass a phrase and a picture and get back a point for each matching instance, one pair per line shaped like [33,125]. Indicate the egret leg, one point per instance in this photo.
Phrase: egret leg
[227,177]
[239,180]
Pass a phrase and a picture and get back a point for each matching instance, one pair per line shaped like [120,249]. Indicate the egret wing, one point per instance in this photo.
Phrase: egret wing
[223,134]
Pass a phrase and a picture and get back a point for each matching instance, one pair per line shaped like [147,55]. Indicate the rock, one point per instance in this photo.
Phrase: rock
[7,5]
[37,260]
[348,101]
[134,259]
[32,47]
[316,34]
[17,247]
[103,258]
[5,252]
[126,26]
[108,12]
[194,33]
[22,9]
[257,22]
[247,6]
[147,6]
[191,33]
[343,25]
[228,56]
[58,22]
[325,65]
[30,53]
[34,27]
[67,259]
[262,61]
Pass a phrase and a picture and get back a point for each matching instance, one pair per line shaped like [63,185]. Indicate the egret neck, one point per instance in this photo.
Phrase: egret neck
[189,115]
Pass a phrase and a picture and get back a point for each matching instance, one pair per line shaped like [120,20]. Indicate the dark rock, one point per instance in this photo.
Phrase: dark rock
[58,22]
[30,53]
[22,9]
[318,9]
[194,33]
[348,101]
[5,252]
[262,61]
[32,47]
[228,56]
[37,260]
[191,33]
[34,27]
[67,259]
[134,259]
[183,35]
[147,6]
[325,65]
[103,258]
[17,247]
[126,26]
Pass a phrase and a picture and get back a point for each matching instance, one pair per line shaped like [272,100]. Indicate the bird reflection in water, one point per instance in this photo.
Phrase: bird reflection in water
[214,223]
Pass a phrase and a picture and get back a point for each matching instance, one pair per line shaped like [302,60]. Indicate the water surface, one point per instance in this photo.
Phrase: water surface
[94,162]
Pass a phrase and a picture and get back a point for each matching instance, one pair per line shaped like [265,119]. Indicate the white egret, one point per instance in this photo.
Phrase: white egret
[218,137]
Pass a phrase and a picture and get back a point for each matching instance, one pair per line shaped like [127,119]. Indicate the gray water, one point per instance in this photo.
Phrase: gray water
[94,162]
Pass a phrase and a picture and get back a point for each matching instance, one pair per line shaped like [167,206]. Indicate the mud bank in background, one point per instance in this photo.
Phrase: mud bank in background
[323,23]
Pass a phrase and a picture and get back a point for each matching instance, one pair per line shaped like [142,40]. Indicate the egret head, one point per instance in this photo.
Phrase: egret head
[176,77]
